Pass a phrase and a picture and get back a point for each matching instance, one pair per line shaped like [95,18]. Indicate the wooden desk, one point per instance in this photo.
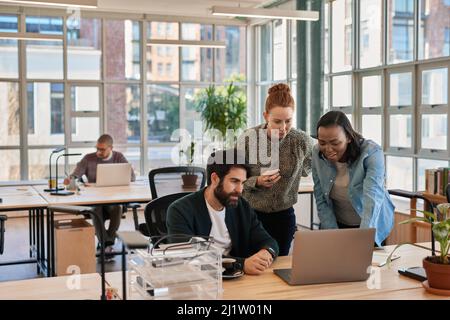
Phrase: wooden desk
[26,198]
[392,285]
[56,288]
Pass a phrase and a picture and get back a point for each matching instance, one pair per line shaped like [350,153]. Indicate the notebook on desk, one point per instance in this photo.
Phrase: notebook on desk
[113,174]
[326,256]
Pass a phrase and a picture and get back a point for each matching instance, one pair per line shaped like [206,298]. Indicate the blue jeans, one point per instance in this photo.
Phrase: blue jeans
[281,226]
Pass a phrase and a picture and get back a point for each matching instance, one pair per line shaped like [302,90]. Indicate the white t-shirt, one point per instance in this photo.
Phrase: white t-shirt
[219,230]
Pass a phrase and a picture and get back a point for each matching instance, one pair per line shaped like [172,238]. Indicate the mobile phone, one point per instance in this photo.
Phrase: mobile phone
[417,273]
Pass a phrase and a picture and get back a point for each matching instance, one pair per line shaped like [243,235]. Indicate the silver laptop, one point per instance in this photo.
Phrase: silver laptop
[113,174]
[325,256]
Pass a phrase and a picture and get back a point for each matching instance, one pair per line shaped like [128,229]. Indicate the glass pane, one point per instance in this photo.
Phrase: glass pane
[9,62]
[400,28]
[294,95]
[123,112]
[133,156]
[84,49]
[38,164]
[44,59]
[326,37]
[342,91]
[263,93]
[75,159]
[342,24]
[230,62]
[8,23]
[400,130]
[350,118]
[279,49]
[162,63]
[10,168]
[191,119]
[422,165]
[85,98]
[294,50]
[9,109]
[326,100]
[370,41]
[265,52]
[44,25]
[399,173]
[162,30]
[400,89]
[123,49]
[371,127]
[434,131]
[163,156]
[434,86]
[197,63]
[45,105]
[434,31]
[371,91]
[163,112]
[85,128]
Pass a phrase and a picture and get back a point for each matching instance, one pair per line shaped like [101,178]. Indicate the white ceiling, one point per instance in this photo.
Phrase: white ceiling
[189,8]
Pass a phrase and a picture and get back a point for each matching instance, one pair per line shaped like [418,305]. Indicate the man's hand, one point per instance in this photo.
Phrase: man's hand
[257,263]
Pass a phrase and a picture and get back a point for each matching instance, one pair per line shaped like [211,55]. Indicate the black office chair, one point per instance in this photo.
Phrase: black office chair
[447,191]
[155,215]
[3,218]
[179,170]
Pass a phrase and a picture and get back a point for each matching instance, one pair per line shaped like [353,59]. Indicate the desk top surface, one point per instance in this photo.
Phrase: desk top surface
[391,284]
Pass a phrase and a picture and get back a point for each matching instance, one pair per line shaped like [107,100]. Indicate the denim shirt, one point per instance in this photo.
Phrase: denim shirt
[366,190]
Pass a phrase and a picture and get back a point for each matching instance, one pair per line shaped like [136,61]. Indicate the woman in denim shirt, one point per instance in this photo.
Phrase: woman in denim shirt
[348,173]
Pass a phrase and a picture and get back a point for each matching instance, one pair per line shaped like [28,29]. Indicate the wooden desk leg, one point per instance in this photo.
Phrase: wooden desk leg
[412,207]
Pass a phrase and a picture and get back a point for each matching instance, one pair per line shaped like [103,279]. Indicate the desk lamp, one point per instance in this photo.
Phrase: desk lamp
[50,188]
[63,192]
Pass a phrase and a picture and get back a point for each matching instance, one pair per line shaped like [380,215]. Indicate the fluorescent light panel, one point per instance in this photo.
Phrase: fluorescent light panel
[265,13]
[30,36]
[188,43]
[59,3]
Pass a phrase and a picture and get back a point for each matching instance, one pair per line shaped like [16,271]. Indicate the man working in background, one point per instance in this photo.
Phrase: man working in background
[88,166]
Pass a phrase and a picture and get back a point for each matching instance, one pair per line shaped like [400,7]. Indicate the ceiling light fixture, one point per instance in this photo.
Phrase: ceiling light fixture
[30,36]
[59,3]
[265,13]
[187,43]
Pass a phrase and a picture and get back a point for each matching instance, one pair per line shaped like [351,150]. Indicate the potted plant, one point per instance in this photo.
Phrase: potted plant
[437,268]
[190,178]
[223,108]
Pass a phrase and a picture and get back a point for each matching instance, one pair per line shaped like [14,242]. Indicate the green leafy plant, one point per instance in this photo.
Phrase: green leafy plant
[189,152]
[223,108]
[440,224]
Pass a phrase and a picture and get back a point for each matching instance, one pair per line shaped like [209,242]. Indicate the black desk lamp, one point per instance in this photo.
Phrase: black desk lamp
[416,272]
[50,188]
[63,192]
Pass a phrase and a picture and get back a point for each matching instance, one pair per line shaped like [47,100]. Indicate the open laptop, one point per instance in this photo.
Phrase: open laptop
[113,174]
[325,256]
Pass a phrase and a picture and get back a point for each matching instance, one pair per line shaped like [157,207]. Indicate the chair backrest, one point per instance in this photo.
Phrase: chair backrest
[156,211]
[447,191]
[179,170]
[2,232]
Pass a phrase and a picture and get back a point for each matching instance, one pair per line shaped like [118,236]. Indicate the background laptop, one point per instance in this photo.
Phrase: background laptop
[113,174]
[325,256]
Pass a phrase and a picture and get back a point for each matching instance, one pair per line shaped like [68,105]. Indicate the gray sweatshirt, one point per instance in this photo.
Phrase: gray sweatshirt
[88,165]
[295,152]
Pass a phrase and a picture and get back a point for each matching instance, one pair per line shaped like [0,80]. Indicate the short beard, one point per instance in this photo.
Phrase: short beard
[224,198]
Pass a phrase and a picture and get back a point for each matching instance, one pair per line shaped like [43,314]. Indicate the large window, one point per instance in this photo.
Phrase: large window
[397,90]
[101,76]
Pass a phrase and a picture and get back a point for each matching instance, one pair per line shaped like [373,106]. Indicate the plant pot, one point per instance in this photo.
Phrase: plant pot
[438,274]
[189,180]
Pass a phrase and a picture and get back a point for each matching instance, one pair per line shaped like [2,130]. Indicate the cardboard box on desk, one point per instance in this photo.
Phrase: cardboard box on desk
[74,247]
